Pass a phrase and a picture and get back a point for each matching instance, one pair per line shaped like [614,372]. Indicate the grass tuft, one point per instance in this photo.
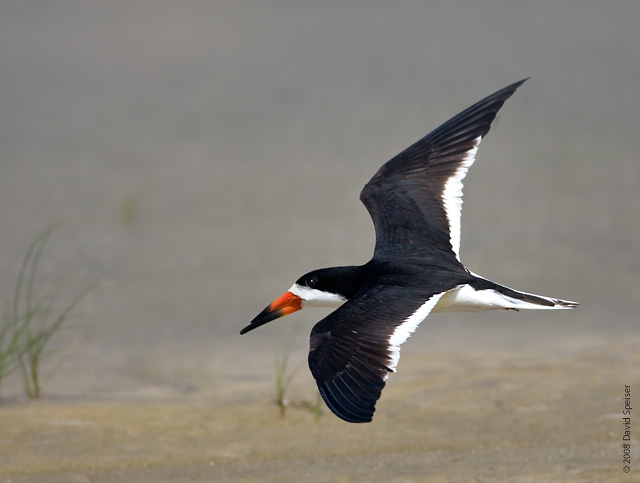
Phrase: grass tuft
[29,321]
[282,361]
[284,378]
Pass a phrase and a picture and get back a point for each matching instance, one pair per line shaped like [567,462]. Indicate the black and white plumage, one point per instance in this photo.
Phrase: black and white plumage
[415,201]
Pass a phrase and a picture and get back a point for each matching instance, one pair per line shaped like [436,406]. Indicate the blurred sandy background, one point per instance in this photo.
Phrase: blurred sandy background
[203,155]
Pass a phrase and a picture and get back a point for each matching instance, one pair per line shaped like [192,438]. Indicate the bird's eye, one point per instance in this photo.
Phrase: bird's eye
[311,282]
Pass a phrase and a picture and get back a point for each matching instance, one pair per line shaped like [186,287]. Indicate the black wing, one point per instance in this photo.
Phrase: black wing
[415,198]
[355,347]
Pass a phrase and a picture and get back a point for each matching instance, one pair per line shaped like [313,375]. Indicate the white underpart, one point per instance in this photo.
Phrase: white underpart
[467,299]
[317,298]
[452,196]
[406,328]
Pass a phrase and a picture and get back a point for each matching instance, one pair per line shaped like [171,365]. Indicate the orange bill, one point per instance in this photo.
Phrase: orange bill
[284,305]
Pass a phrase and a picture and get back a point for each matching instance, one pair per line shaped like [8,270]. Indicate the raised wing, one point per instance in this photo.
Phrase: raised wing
[353,349]
[415,198]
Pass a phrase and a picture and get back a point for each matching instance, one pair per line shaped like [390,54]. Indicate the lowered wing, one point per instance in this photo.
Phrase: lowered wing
[353,349]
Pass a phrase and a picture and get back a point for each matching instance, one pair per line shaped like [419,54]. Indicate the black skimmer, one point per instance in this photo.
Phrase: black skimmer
[415,201]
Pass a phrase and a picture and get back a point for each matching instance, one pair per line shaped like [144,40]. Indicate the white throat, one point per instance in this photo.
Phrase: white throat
[317,298]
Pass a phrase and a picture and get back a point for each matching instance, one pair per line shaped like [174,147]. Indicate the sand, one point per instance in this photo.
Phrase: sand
[445,417]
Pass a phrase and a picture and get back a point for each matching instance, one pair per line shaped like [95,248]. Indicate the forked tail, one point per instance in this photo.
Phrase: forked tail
[508,298]
[482,294]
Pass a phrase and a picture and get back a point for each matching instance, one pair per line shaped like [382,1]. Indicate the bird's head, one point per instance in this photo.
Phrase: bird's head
[327,287]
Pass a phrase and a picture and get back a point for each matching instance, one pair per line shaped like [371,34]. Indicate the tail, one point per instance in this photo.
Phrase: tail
[502,297]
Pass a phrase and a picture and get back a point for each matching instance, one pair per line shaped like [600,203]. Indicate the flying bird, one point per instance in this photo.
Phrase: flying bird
[414,200]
